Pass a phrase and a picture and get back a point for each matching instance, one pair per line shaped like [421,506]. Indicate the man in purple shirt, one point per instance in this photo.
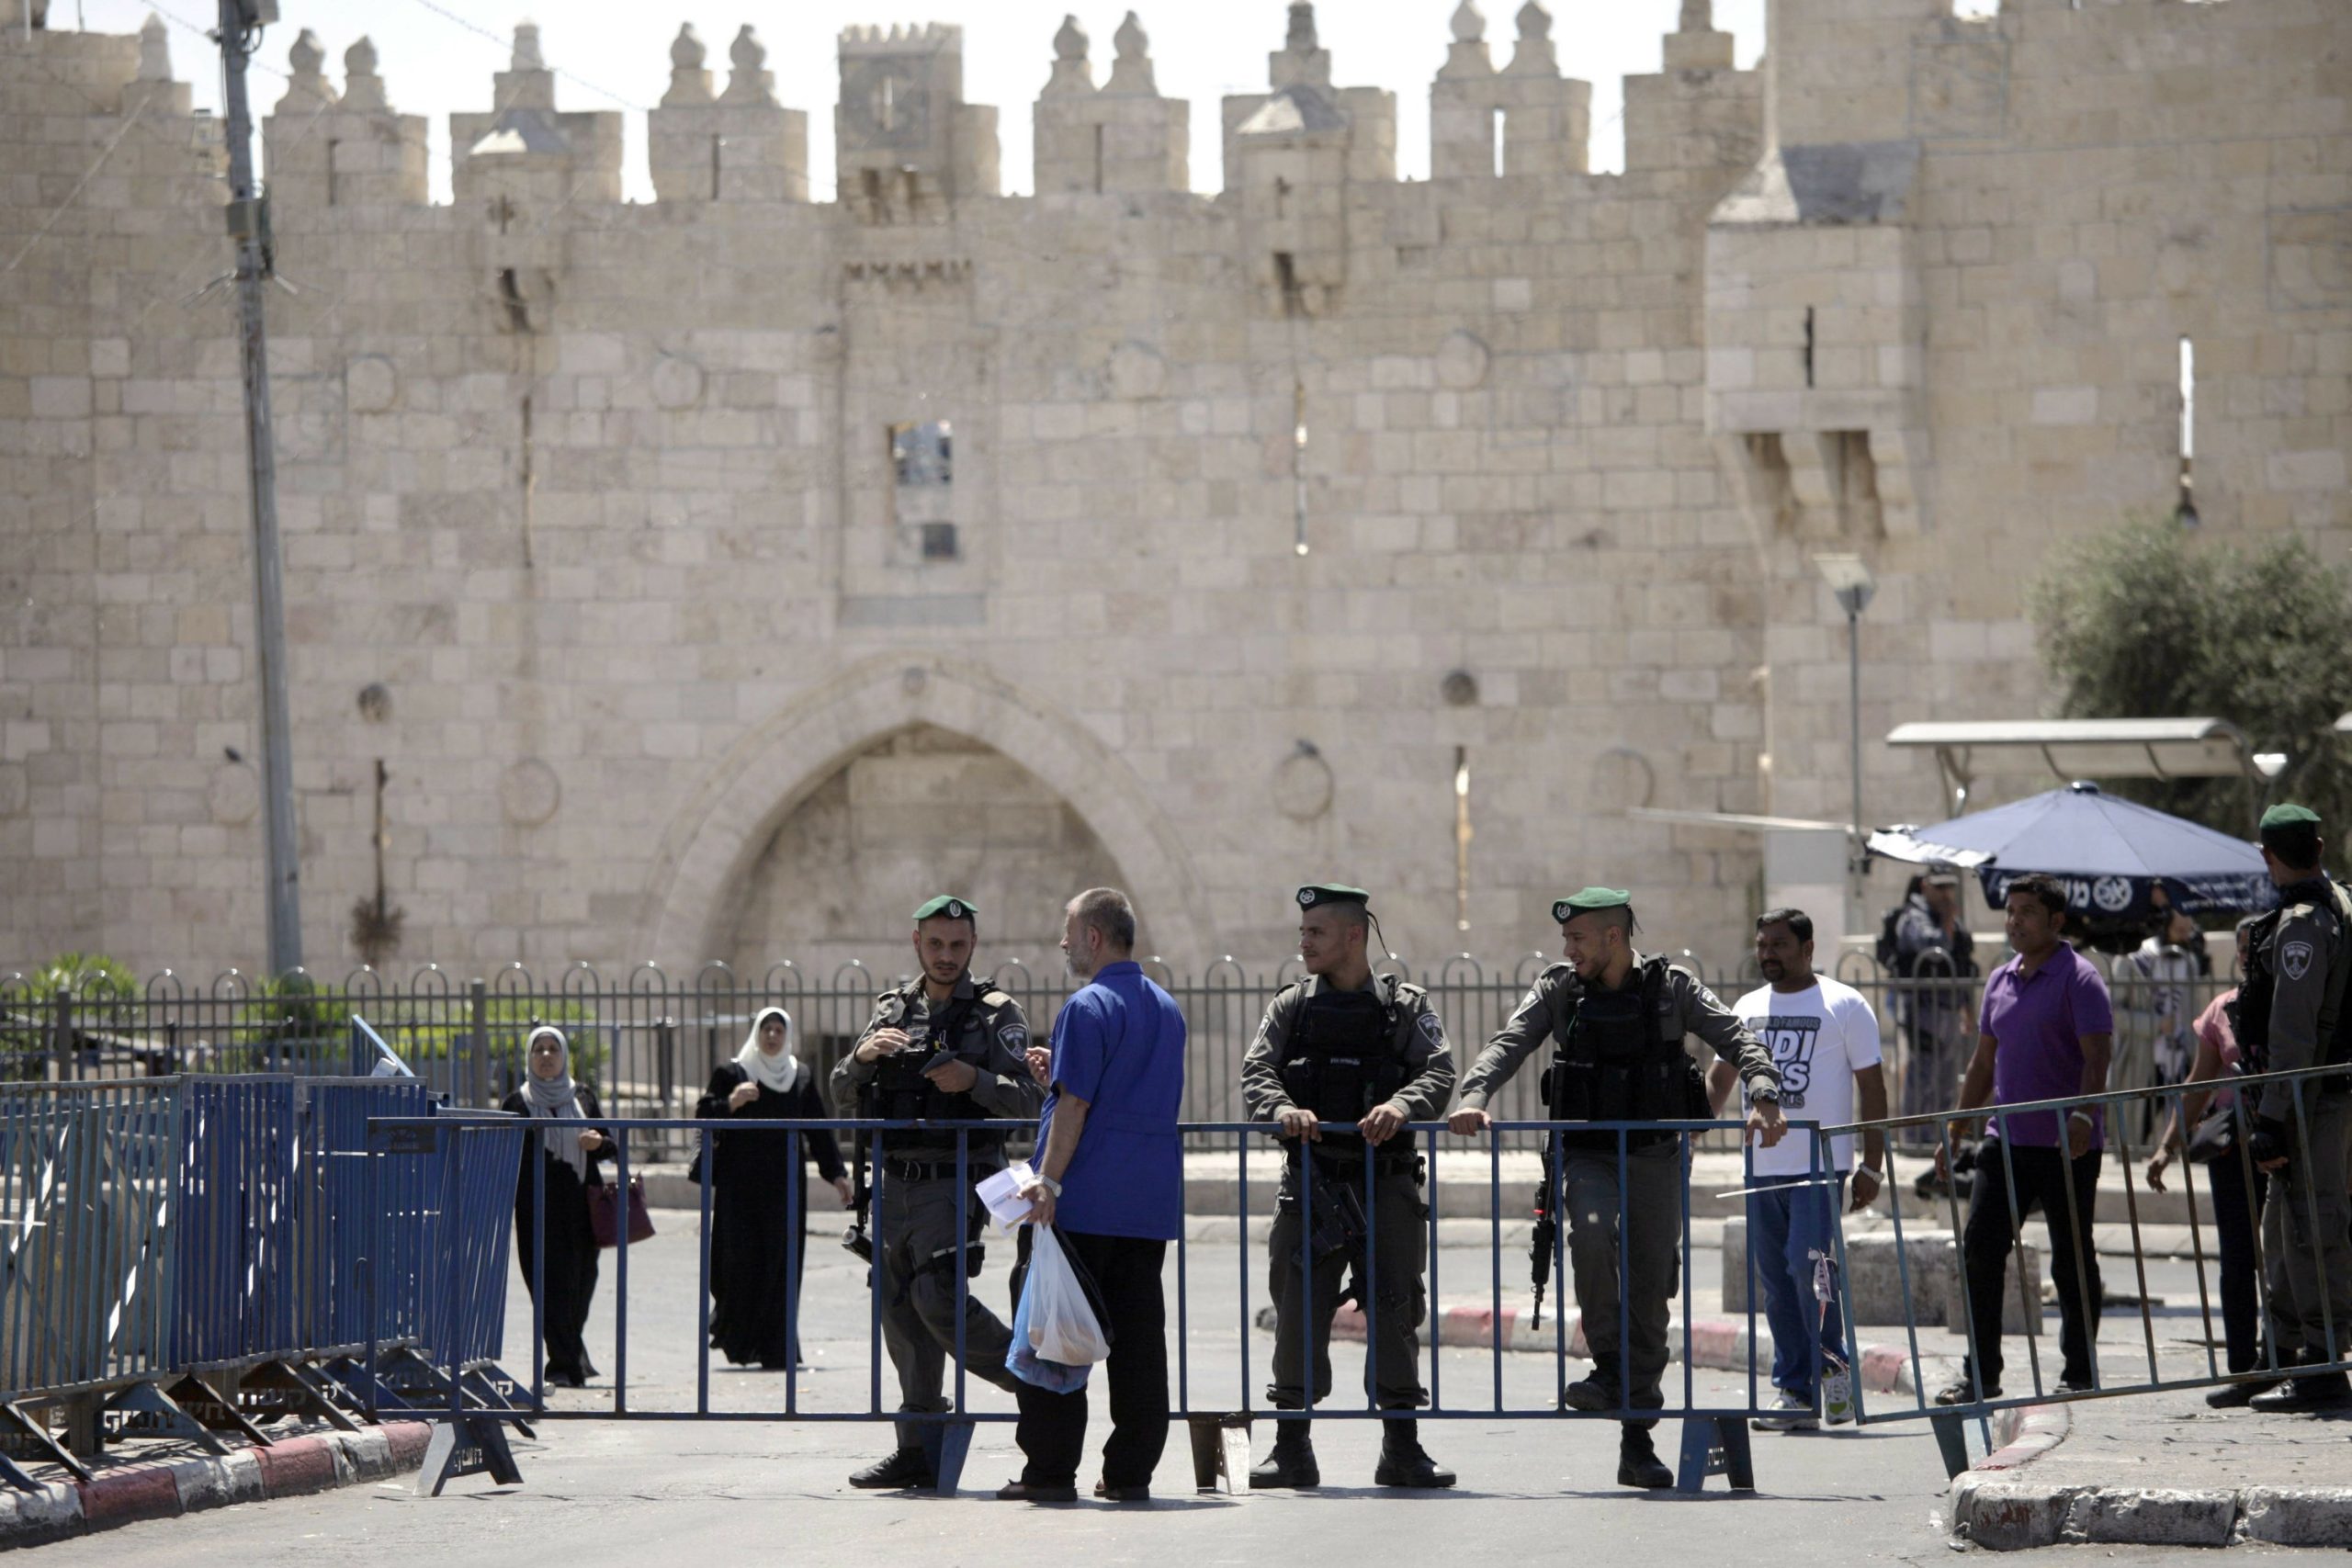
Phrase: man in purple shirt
[1110,1179]
[2045,1032]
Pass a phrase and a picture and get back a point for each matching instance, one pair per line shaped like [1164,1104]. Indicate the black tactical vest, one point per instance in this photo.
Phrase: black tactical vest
[898,1091]
[1615,1061]
[2259,994]
[1343,1057]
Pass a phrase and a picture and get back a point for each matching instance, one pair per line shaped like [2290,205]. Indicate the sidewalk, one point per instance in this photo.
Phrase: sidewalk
[2142,1469]
[160,1479]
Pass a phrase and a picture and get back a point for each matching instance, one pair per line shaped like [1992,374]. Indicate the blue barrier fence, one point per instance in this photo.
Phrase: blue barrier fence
[168,1236]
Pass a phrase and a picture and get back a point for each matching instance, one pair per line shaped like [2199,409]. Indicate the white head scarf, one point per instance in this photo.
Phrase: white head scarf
[557,1097]
[777,1073]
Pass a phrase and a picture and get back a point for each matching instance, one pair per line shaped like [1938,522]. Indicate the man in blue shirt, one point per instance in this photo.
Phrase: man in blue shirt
[1111,1178]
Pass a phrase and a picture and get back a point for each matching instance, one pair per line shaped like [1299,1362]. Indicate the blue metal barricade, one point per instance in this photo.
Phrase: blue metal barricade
[86,1180]
[234,1231]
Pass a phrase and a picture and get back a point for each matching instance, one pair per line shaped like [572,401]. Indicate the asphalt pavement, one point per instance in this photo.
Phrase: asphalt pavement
[717,1494]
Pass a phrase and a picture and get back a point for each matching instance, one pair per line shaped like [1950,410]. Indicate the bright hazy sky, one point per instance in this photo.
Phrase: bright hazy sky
[614,56]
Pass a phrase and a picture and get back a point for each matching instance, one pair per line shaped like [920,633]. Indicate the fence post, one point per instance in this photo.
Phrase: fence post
[61,1037]
[478,1090]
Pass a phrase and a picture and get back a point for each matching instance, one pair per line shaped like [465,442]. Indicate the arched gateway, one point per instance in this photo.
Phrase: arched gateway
[695,898]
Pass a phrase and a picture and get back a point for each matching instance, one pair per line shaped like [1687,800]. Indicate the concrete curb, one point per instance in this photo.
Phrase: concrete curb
[291,1467]
[1995,1507]
[1722,1344]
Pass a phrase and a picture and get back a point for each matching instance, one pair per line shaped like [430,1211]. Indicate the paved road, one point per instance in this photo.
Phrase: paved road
[726,1494]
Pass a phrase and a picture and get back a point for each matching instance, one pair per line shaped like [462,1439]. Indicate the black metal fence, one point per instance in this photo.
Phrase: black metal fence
[649,1039]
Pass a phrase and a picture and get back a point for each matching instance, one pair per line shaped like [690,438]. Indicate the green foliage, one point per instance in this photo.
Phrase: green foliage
[83,975]
[2146,622]
[510,1020]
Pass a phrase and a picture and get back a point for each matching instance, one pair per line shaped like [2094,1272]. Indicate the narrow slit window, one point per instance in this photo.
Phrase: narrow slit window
[1502,142]
[1098,160]
[1808,345]
[1298,465]
[2185,511]
[1462,837]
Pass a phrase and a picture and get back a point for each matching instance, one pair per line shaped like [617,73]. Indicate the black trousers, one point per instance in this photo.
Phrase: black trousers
[1052,1432]
[2042,1176]
[2237,1225]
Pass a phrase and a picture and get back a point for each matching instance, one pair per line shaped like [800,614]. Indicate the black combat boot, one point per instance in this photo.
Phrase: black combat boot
[903,1469]
[1403,1460]
[1637,1460]
[1292,1461]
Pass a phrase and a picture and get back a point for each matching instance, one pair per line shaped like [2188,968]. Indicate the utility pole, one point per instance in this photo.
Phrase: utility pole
[248,213]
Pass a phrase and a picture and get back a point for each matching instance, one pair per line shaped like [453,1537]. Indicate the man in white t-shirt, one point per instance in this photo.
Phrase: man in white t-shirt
[1824,1040]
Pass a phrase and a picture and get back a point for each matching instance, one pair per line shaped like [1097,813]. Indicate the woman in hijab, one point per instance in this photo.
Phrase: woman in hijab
[756,1233]
[565,1158]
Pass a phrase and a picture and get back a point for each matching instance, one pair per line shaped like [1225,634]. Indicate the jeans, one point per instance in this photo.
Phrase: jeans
[2043,1174]
[1052,1430]
[1785,1228]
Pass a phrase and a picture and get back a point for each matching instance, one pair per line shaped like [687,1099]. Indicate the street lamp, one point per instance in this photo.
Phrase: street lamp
[1850,580]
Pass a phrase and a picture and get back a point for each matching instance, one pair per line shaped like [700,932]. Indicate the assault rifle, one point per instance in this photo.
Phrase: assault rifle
[1544,1241]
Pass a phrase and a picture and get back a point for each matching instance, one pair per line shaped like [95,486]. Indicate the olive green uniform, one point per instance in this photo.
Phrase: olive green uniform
[1394,1215]
[1650,1193]
[2307,1255]
[921,1206]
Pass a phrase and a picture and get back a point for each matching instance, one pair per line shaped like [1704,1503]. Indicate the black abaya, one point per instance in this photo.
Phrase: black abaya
[757,1234]
[571,1273]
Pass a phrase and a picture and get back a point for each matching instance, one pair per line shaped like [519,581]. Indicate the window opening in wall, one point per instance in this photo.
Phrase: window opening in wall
[716,142]
[2185,511]
[1462,837]
[1502,138]
[1286,276]
[1298,463]
[331,145]
[1098,160]
[923,476]
[1808,345]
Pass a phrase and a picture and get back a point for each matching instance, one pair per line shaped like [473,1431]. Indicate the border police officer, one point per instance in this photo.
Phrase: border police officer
[942,1047]
[1616,1021]
[2290,1016]
[1343,1059]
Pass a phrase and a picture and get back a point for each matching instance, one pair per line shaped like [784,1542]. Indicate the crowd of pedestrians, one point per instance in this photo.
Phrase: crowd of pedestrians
[2008,1080]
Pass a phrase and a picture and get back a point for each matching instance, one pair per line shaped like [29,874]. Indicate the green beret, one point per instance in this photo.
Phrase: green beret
[1590,900]
[953,908]
[2289,815]
[1331,893]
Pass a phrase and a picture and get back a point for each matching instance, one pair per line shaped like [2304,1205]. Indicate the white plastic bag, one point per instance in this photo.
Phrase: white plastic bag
[1061,1323]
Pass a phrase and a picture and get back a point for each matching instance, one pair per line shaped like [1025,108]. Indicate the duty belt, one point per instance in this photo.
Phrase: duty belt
[933,1170]
[1351,1161]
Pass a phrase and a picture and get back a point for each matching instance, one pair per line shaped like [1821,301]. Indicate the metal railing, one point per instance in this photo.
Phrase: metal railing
[163,1240]
[650,1040]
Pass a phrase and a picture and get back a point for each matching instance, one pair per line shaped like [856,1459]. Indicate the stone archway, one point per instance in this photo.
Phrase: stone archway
[719,837]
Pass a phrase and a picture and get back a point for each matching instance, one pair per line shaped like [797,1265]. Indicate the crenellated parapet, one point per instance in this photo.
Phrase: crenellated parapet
[1525,118]
[1122,137]
[740,145]
[1291,153]
[324,148]
[906,145]
[524,158]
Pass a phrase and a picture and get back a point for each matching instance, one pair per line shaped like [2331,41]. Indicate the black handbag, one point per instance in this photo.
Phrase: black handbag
[2213,1138]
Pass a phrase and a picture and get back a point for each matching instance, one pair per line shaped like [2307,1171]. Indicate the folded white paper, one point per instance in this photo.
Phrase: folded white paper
[1002,1193]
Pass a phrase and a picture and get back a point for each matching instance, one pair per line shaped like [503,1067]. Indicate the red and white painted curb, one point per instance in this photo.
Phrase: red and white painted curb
[290,1467]
[1720,1343]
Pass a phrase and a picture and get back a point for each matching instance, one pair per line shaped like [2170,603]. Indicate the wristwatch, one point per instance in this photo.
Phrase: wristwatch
[1049,1184]
[1765,1096]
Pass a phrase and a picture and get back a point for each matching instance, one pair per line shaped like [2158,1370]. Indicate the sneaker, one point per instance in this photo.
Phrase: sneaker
[1790,1413]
